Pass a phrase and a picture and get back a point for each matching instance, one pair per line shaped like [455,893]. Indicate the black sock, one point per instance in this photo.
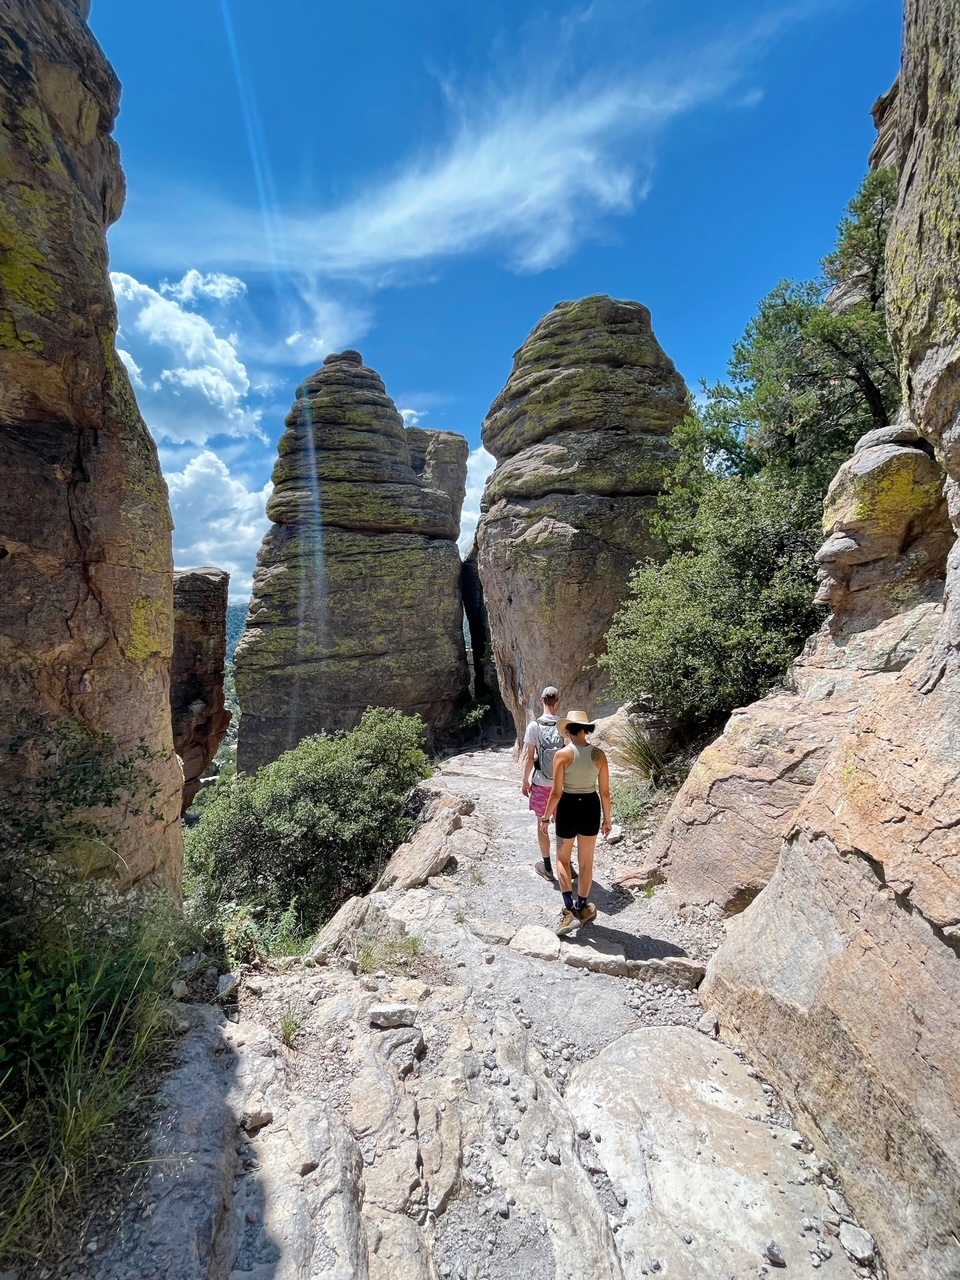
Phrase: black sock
[568,901]
[581,903]
[548,865]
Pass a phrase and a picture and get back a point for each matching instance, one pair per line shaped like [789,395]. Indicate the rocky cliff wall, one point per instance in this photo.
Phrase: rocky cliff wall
[581,435]
[356,595]
[200,720]
[881,570]
[86,595]
[843,978]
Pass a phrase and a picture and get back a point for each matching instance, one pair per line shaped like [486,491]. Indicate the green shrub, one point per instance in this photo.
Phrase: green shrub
[82,981]
[632,800]
[718,623]
[315,826]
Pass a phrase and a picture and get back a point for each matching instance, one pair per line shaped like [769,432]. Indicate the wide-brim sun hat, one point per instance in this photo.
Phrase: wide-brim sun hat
[579,719]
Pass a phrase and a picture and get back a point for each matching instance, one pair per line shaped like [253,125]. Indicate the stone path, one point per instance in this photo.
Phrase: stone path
[428,1096]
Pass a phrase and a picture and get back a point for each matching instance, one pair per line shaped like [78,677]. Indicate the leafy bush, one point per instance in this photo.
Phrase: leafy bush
[720,620]
[716,625]
[82,982]
[315,826]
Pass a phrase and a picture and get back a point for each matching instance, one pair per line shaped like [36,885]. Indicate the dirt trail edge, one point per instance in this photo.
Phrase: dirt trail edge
[445,1089]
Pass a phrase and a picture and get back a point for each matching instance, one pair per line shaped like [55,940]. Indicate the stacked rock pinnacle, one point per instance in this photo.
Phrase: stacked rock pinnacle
[356,598]
[581,434]
[200,719]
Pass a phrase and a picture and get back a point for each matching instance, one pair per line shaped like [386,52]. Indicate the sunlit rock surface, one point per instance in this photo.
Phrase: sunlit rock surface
[581,435]
[200,720]
[86,593]
[881,570]
[843,978]
[356,595]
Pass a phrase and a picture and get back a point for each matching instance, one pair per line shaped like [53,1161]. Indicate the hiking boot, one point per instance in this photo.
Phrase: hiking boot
[568,922]
[586,913]
[543,873]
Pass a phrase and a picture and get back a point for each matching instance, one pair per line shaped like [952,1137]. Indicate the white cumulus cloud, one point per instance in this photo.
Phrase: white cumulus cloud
[196,284]
[218,520]
[479,466]
[191,383]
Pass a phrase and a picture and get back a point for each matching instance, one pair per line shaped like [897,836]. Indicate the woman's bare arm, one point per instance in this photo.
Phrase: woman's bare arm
[560,762]
[603,781]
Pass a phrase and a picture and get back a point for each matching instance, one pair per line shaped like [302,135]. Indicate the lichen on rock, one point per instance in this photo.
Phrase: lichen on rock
[86,607]
[581,437]
[356,596]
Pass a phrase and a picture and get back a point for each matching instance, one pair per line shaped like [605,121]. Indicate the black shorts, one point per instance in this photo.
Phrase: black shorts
[578,815]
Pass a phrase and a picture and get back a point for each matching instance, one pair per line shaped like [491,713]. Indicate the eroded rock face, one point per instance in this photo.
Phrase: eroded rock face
[881,570]
[200,720]
[439,458]
[356,595]
[86,605]
[843,976]
[581,435]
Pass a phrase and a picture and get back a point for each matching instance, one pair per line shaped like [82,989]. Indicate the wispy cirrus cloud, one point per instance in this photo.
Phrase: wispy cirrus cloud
[528,172]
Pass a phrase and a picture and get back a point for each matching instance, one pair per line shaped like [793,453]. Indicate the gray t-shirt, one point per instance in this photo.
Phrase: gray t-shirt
[532,739]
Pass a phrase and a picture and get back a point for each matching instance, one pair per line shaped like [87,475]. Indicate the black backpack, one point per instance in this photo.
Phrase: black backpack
[551,741]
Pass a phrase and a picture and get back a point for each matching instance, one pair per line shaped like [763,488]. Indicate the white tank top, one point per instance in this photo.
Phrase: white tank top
[580,777]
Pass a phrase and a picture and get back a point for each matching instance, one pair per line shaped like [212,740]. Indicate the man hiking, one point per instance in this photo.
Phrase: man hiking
[541,742]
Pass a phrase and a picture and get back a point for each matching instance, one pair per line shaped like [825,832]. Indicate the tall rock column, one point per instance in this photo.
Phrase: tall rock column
[581,435]
[356,595]
[843,978]
[86,593]
[200,719]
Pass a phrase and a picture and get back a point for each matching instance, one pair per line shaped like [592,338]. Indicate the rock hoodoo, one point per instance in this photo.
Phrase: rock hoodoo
[86,606]
[581,434]
[842,978]
[881,571]
[200,720]
[439,458]
[356,595]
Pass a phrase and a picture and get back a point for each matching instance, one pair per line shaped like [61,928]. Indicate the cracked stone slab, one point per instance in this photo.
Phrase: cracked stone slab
[703,1183]
[597,955]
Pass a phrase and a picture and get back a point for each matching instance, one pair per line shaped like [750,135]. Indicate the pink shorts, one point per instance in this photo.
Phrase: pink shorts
[538,799]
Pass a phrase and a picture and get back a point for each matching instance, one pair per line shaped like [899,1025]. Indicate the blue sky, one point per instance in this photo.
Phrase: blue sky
[424,179]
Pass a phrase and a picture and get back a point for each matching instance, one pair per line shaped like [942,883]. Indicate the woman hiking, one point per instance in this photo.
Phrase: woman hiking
[580,798]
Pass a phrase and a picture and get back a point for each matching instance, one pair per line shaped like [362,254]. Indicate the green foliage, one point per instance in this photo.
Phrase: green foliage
[718,623]
[82,981]
[637,751]
[471,716]
[813,372]
[315,826]
[632,800]
[83,1008]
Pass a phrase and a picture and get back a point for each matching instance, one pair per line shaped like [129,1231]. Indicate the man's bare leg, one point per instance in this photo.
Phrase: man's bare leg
[543,838]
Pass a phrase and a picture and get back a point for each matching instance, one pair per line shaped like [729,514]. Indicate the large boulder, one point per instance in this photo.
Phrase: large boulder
[86,606]
[356,595]
[581,436]
[200,719]
[843,978]
[881,570]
